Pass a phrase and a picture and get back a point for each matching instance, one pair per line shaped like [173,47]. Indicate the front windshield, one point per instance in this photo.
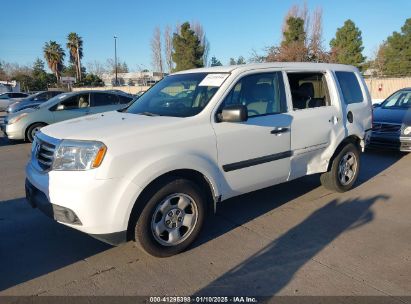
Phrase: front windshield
[181,95]
[399,100]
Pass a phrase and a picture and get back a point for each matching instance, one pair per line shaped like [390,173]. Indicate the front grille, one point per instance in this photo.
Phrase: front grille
[44,154]
[386,128]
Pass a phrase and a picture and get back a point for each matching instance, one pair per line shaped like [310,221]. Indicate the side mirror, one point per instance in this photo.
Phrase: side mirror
[60,107]
[234,113]
[376,105]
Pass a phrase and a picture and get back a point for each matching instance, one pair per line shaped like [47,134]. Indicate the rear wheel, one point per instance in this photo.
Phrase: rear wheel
[32,130]
[344,170]
[171,218]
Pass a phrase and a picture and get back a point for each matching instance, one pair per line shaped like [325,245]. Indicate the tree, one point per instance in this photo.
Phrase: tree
[315,46]
[54,55]
[241,60]
[168,48]
[199,30]
[3,75]
[75,47]
[232,61]
[394,56]
[347,45]
[95,67]
[215,62]
[293,47]
[121,67]
[188,51]
[91,80]
[156,51]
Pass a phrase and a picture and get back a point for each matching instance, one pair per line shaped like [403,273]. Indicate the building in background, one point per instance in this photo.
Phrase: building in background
[9,86]
[141,79]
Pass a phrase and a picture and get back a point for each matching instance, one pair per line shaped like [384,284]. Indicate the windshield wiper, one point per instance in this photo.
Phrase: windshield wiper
[148,114]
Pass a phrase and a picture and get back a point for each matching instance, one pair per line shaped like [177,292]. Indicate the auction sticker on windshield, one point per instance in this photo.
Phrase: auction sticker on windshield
[213,80]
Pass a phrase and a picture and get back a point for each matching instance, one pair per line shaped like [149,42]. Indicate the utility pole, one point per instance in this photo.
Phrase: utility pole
[115,58]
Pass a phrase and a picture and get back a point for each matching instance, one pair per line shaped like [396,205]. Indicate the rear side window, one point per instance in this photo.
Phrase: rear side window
[104,99]
[308,90]
[350,87]
[124,99]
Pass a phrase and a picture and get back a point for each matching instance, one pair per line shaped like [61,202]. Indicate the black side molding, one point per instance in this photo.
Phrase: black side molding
[256,161]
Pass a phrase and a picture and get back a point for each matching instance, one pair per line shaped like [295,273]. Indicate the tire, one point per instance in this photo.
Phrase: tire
[171,217]
[32,130]
[344,170]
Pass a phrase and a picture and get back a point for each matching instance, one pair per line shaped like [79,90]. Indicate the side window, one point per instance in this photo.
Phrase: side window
[104,99]
[308,90]
[350,87]
[262,94]
[42,96]
[124,99]
[77,101]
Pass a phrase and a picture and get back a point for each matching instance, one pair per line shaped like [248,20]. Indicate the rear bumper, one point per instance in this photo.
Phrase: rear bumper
[390,142]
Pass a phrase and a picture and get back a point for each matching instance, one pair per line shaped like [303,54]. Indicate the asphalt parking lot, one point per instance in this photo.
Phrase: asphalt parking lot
[292,239]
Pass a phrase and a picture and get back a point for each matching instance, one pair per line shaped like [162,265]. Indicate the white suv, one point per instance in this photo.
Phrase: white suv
[152,171]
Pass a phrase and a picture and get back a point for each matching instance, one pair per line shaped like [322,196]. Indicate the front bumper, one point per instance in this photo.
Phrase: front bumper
[390,142]
[14,131]
[100,208]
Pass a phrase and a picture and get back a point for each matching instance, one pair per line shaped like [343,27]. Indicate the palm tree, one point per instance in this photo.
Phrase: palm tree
[75,47]
[54,55]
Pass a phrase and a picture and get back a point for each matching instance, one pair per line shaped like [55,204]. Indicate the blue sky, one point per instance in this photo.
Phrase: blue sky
[233,27]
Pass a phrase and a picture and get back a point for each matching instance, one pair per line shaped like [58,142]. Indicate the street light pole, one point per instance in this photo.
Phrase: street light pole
[115,58]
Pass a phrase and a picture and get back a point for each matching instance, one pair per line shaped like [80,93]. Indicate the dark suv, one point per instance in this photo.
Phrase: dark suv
[32,101]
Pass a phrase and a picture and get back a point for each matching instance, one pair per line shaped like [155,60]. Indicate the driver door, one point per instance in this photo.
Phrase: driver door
[255,153]
[72,107]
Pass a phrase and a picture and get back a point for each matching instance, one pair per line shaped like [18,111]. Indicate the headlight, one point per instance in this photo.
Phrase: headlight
[16,118]
[78,155]
[407,131]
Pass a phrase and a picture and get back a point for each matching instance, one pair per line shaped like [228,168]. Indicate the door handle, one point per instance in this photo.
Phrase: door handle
[279,130]
[334,120]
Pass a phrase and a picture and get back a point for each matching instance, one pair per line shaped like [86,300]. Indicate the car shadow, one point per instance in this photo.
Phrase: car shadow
[269,270]
[242,209]
[32,245]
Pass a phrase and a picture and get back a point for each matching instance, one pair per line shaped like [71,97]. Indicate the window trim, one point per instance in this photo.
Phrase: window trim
[239,77]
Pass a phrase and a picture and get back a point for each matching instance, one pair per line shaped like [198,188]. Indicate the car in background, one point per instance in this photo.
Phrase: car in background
[32,101]
[26,123]
[10,97]
[392,122]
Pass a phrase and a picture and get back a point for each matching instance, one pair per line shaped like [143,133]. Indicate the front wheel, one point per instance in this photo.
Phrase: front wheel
[171,218]
[32,130]
[344,170]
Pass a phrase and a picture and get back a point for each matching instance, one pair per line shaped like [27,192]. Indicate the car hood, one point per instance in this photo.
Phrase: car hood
[108,125]
[400,116]
[28,111]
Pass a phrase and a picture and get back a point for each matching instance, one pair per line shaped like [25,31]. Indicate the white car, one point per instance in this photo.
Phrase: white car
[9,98]
[152,171]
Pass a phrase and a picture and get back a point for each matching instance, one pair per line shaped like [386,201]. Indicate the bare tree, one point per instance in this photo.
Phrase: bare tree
[156,51]
[300,12]
[168,48]
[95,67]
[316,36]
[199,30]
[379,59]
